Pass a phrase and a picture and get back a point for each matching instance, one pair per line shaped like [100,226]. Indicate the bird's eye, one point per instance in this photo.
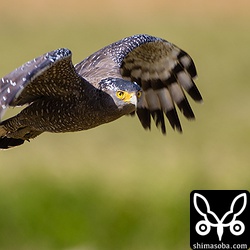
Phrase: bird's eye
[120,94]
[139,93]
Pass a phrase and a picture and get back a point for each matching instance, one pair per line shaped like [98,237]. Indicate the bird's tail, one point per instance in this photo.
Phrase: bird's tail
[5,142]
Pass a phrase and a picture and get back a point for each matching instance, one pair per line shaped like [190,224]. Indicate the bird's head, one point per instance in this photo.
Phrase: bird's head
[125,94]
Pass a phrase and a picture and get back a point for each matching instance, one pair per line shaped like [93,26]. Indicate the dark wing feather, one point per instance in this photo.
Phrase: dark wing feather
[164,72]
[107,62]
[51,75]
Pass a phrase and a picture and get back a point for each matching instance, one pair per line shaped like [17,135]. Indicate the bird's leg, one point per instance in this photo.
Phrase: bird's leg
[11,128]
[24,133]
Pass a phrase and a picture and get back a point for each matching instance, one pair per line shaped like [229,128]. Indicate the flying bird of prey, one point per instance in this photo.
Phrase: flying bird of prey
[139,74]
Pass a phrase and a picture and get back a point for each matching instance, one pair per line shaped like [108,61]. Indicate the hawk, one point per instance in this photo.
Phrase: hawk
[139,74]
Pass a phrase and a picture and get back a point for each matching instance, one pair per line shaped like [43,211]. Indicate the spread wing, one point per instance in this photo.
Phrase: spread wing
[51,75]
[164,72]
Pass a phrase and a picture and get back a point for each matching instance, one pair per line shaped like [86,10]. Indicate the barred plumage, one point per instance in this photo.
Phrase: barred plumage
[151,74]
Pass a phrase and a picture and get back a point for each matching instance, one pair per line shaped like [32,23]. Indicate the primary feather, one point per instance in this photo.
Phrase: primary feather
[61,97]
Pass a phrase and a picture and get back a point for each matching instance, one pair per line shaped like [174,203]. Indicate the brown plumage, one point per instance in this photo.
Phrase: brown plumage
[140,73]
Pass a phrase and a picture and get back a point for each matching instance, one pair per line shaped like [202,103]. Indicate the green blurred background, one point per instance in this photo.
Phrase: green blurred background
[118,186]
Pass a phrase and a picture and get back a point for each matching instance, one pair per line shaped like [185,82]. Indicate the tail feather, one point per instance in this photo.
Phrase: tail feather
[6,143]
